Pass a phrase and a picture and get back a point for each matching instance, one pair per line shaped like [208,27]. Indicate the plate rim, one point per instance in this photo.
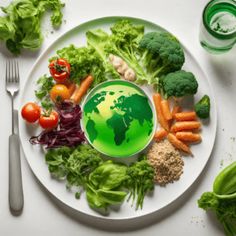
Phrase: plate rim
[51,45]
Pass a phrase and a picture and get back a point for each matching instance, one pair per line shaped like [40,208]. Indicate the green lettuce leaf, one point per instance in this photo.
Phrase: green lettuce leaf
[7,29]
[21,27]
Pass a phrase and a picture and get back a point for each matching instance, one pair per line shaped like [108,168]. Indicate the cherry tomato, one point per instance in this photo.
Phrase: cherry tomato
[49,121]
[30,112]
[60,70]
[59,93]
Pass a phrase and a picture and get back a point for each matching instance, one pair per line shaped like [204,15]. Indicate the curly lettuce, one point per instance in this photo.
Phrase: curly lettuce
[20,28]
[83,61]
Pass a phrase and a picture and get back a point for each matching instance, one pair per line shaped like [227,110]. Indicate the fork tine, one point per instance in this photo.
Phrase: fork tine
[17,72]
[13,71]
[10,72]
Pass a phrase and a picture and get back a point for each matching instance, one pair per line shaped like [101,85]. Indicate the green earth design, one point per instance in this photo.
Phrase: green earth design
[118,119]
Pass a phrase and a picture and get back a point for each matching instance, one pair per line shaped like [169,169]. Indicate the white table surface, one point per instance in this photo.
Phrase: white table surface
[43,214]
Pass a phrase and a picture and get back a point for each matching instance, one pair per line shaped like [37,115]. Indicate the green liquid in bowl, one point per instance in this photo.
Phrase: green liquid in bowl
[118,119]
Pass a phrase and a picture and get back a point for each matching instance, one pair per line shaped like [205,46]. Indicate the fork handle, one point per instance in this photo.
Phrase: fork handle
[16,199]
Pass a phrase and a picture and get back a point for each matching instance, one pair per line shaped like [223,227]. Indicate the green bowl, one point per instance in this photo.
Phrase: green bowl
[118,118]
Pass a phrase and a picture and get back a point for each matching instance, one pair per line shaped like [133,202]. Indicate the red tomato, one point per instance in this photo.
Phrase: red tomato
[49,121]
[60,70]
[30,112]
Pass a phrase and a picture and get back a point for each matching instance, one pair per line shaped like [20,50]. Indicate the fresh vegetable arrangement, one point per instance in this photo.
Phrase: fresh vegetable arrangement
[68,132]
[148,59]
[106,182]
[20,28]
[150,55]
[222,200]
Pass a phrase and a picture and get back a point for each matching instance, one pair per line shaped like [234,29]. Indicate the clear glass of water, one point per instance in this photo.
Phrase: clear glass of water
[218,26]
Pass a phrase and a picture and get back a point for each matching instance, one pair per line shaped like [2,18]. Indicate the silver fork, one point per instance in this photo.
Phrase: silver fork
[16,199]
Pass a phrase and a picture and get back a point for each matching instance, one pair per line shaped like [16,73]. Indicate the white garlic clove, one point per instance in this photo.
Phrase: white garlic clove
[124,67]
[130,75]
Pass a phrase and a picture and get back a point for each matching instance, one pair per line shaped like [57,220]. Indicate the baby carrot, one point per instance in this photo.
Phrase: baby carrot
[157,102]
[178,144]
[160,134]
[82,89]
[165,108]
[188,136]
[185,125]
[185,116]
[175,110]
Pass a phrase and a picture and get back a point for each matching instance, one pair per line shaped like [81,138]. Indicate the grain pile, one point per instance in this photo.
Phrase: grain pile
[166,161]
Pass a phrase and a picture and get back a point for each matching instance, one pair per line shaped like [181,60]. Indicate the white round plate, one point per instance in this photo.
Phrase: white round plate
[162,196]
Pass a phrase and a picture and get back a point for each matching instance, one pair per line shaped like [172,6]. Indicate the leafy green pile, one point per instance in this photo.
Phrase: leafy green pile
[155,57]
[222,200]
[105,182]
[150,55]
[83,61]
[74,164]
[21,27]
[140,181]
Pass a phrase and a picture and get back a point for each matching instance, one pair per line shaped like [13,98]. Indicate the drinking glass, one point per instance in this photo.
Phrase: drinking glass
[218,26]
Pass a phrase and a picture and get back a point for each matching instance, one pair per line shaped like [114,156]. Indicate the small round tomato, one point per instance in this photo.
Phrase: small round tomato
[60,70]
[30,112]
[49,121]
[59,93]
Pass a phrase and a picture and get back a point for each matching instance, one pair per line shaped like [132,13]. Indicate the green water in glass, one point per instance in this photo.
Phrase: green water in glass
[221,19]
[218,28]
[118,119]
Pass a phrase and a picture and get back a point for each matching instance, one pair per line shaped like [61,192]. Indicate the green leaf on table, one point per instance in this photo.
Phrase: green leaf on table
[21,27]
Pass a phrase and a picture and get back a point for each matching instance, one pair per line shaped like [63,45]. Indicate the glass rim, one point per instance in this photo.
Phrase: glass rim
[214,33]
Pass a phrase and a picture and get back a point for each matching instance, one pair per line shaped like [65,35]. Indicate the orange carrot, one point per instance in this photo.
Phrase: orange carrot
[157,101]
[185,116]
[82,89]
[188,136]
[71,87]
[165,108]
[185,125]
[160,134]
[178,144]
[176,109]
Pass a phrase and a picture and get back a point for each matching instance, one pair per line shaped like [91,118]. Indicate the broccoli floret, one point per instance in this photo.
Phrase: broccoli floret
[179,84]
[202,107]
[162,53]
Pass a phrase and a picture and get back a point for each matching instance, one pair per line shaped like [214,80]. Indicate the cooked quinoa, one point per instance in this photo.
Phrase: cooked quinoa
[166,161]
